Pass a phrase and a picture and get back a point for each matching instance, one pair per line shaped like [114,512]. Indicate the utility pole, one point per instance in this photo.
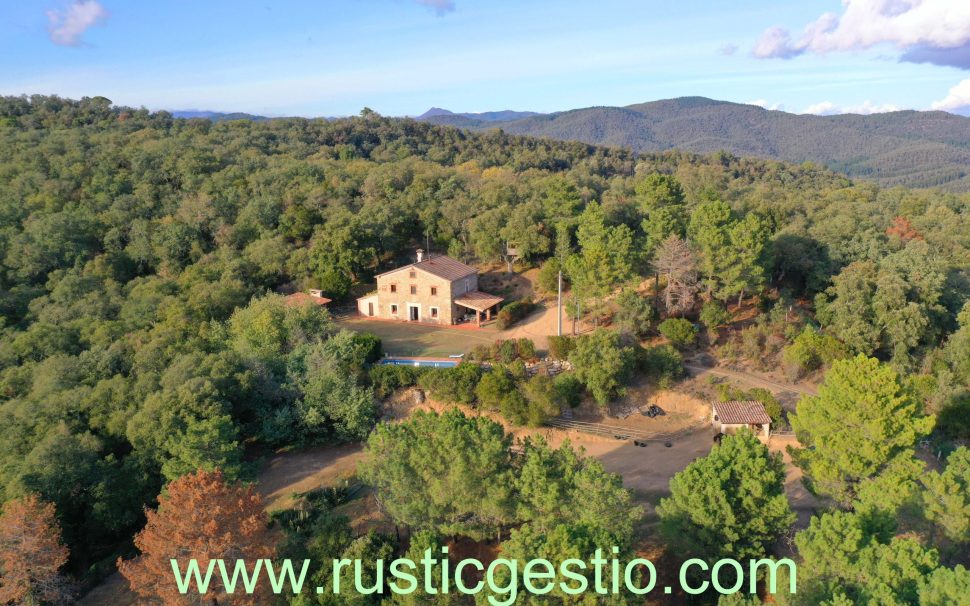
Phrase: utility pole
[559,306]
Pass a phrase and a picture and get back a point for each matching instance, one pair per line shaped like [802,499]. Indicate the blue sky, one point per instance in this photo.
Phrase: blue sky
[400,57]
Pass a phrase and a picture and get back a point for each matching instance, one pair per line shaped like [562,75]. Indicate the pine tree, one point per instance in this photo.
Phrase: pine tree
[200,516]
[861,425]
[31,553]
[730,503]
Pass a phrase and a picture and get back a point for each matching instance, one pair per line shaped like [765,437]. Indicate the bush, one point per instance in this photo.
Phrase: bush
[452,384]
[386,378]
[517,369]
[713,316]
[493,387]
[680,332]
[603,364]
[513,312]
[508,351]
[548,280]
[810,351]
[561,347]
[370,345]
[540,391]
[568,389]
[954,419]
[527,349]
[661,364]
[498,391]
[634,313]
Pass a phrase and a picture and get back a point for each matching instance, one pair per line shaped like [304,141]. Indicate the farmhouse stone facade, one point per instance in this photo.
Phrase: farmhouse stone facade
[433,289]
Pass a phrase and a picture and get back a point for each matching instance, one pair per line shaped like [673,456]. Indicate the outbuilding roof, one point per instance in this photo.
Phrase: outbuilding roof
[741,412]
[299,298]
[442,266]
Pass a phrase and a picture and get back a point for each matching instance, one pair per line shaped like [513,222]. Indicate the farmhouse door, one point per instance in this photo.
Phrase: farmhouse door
[414,313]
[370,309]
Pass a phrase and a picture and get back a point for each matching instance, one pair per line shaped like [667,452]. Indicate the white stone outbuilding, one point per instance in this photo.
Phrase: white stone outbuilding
[730,416]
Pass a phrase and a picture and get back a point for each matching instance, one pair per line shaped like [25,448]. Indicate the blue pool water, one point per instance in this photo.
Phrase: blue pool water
[419,362]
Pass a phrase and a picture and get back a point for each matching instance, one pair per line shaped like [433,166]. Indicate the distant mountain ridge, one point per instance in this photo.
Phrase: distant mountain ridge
[216,116]
[444,116]
[911,148]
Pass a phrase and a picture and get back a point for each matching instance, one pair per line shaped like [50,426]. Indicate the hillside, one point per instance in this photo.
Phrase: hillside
[915,149]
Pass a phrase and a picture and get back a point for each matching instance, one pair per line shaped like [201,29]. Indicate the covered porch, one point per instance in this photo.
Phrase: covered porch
[479,302]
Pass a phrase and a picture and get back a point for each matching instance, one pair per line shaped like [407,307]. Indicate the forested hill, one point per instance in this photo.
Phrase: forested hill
[140,339]
[910,148]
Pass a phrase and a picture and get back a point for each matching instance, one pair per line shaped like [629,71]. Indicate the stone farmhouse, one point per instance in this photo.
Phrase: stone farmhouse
[434,289]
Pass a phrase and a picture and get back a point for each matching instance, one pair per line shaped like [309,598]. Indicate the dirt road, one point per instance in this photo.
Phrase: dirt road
[751,379]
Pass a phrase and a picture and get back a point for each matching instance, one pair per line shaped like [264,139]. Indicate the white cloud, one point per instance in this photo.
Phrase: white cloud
[957,99]
[941,24]
[827,108]
[775,43]
[766,104]
[440,6]
[67,26]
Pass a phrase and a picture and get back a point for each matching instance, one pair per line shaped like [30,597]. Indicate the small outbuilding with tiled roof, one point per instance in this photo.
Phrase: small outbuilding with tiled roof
[299,298]
[732,415]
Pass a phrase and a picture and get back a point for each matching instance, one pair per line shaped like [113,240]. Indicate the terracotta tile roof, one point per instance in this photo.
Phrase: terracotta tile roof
[299,298]
[442,266]
[478,300]
[741,412]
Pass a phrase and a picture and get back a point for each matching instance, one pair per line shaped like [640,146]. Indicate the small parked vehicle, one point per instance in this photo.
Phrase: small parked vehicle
[654,411]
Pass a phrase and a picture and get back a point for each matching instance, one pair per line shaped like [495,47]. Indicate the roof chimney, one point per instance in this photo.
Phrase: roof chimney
[420,255]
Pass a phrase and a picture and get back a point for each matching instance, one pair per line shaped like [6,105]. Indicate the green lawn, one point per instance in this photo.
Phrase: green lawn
[403,339]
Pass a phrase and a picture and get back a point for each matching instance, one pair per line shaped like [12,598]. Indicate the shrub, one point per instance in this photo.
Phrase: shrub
[953,419]
[810,351]
[713,316]
[548,280]
[662,364]
[388,377]
[603,364]
[527,349]
[634,314]
[513,312]
[517,369]
[493,387]
[452,384]
[540,391]
[508,351]
[680,332]
[498,391]
[370,345]
[568,389]
[561,347]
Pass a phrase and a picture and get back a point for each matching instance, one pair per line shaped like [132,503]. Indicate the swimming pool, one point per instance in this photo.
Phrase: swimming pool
[423,362]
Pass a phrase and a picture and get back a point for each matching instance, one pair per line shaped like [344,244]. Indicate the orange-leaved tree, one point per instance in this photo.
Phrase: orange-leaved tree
[31,553]
[202,517]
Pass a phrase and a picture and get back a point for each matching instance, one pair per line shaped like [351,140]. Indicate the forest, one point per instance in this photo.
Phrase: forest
[147,357]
